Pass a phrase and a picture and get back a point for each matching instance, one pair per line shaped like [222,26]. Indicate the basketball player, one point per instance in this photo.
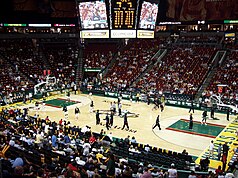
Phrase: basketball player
[162,100]
[37,106]
[157,123]
[157,104]
[161,107]
[148,98]
[131,97]
[97,118]
[227,114]
[76,111]
[75,89]
[68,96]
[191,121]
[119,98]
[114,107]
[43,103]
[90,95]
[107,122]
[111,107]
[91,107]
[30,97]
[137,97]
[204,117]
[212,112]
[191,107]
[119,109]
[111,118]
[125,122]
[65,112]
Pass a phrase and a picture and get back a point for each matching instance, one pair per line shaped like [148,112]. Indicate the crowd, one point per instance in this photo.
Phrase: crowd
[181,71]
[24,64]
[226,76]
[99,56]
[38,147]
[131,61]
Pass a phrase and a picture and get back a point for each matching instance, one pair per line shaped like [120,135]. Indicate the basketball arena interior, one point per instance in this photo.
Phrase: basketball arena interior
[119,88]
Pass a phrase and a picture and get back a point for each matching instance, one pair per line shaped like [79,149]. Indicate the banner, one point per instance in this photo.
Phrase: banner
[94,34]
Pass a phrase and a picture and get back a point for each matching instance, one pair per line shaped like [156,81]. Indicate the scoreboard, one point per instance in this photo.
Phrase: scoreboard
[117,18]
[123,14]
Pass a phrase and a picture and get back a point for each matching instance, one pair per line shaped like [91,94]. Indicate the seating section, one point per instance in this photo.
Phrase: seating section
[22,54]
[99,55]
[31,139]
[227,75]
[11,81]
[156,156]
[131,61]
[22,67]
[181,71]
[78,151]
[17,64]
[62,58]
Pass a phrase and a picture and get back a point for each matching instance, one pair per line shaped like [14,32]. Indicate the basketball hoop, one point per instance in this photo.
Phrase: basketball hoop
[50,80]
[215,99]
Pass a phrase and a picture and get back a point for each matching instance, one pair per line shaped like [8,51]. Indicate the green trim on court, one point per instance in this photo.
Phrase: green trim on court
[209,130]
[59,103]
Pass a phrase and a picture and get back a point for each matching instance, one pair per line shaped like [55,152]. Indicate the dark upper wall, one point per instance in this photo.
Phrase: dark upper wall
[35,11]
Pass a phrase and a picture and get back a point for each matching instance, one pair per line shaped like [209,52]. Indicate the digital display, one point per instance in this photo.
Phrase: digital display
[230,35]
[14,25]
[148,15]
[230,21]
[123,14]
[39,25]
[64,25]
[93,15]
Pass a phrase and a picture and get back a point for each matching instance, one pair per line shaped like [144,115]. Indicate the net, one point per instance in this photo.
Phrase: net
[50,80]
[214,100]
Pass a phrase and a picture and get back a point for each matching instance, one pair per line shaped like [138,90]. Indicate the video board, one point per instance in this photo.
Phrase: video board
[117,18]
[93,15]
[148,15]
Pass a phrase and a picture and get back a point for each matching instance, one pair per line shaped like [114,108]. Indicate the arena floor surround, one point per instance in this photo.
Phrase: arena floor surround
[174,135]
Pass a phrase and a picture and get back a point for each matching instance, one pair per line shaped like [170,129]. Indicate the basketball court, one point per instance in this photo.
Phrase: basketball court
[174,122]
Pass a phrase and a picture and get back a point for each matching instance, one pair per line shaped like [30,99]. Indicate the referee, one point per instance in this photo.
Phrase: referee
[157,123]
[76,111]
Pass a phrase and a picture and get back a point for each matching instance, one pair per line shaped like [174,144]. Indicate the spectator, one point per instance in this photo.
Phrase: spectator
[192,175]
[146,174]
[204,163]
[111,166]
[172,171]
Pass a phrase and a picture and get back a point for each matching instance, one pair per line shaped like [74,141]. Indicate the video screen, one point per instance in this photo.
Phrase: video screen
[148,15]
[93,15]
[230,35]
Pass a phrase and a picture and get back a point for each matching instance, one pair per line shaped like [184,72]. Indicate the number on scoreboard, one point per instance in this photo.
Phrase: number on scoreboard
[123,14]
